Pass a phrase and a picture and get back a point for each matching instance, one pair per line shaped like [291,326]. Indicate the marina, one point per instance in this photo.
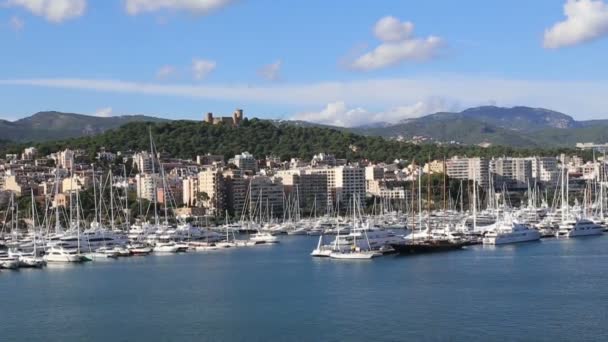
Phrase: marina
[278,292]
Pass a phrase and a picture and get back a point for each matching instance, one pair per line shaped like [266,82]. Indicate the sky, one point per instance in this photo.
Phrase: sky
[340,62]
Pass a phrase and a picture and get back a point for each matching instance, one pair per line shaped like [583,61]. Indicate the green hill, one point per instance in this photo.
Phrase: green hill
[186,139]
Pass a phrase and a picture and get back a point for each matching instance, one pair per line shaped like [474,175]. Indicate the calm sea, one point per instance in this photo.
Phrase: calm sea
[554,290]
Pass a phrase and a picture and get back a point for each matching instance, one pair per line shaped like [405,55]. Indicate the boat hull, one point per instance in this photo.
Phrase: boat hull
[425,247]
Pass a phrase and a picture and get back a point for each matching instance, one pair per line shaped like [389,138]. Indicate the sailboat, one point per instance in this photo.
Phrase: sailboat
[428,243]
[354,252]
[570,226]
[32,259]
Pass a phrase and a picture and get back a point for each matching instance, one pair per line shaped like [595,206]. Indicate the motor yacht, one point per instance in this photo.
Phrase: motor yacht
[60,254]
[579,227]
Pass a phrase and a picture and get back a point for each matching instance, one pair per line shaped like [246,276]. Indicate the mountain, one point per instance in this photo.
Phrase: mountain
[56,125]
[516,127]
[520,118]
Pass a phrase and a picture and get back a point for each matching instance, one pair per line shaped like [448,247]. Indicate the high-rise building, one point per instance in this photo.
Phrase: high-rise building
[147,185]
[64,159]
[190,191]
[545,170]
[236,191]
[343,182]
[266,196]
[246,162]
[309,188]
[211,186]
[469,169]
[511,173]
[143,161]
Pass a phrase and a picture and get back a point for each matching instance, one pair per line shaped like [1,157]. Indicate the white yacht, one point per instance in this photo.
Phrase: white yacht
[166,247]
[91,239]
[374,239]
[27,259]
[263,238]
[356,254]
[579,227]
[510,233]
[60,254]
[322,250]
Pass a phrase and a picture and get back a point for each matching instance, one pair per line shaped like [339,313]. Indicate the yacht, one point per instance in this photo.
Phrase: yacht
[356,254]
[27,259]
[510,233]
[263,238]
[7,261]
[374,239]
[322,250]
[166,247]
[139,248]
[60,254]
[92,239]
[579,227]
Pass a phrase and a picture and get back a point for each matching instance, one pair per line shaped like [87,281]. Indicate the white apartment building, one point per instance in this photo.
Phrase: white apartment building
[469,169]
[211,182]
[147,185]
[245,161]
[143,161]
[512,173]
[545,170]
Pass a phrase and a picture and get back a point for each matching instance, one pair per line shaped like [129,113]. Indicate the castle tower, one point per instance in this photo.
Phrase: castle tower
[209,118]
[238,116]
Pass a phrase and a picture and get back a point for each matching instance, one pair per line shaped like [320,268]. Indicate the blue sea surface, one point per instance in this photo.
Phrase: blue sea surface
[553,290]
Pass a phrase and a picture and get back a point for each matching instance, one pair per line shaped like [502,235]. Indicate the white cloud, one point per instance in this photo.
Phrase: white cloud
[586,20]
[104,112]
[583,99]
[55,11]
[16,23]
[271,72]
[390,29]
[202,67]
[339,114]
[135,7]
[398,45]
[166,71]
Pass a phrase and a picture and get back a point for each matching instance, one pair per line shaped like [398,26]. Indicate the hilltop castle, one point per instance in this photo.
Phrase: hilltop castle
[234,120]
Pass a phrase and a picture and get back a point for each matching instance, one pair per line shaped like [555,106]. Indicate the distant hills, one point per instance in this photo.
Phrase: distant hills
[487,125]
[490,125]
[52,125]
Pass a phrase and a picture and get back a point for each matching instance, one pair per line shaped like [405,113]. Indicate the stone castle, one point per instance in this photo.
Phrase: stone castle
[234,120]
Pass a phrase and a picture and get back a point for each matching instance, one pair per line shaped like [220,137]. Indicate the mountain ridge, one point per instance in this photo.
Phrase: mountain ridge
[518,126]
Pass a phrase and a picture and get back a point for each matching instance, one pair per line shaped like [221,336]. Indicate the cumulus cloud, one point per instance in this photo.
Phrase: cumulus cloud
[166,71]
[16,24]
[584,99]
[391,29]
[104,112]
[398,45]
[135,7]
[339,114]
[202,67]
[586,20]
[55,11]
[271,72]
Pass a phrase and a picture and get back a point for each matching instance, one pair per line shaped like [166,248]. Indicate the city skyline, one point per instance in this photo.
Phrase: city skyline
[314,61]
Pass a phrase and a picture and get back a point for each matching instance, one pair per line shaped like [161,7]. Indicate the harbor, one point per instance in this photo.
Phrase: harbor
[528,291]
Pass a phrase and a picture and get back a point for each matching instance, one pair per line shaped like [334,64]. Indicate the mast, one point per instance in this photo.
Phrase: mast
[474,198]
[111,200]
[562,189]
[33,221]
[153,178]
[57,224]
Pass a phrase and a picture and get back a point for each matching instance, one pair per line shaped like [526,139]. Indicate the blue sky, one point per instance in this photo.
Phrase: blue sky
[309,59]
